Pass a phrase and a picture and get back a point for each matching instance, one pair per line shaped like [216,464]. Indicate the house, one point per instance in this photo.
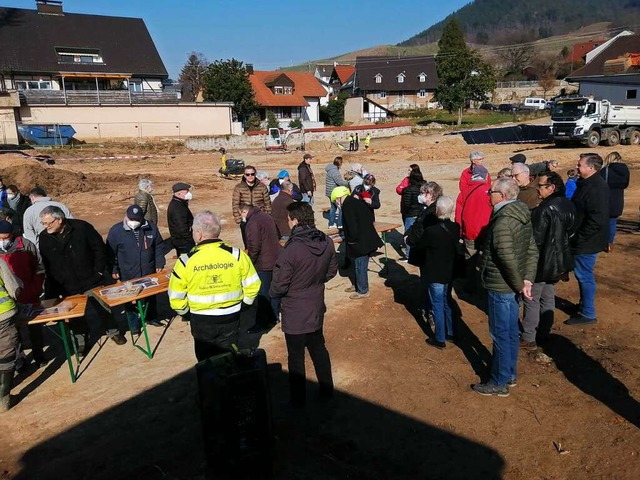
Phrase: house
[613,74]
[340,76]
[289,95]
[397,82]
[101,74]
[323,74]
[596,51]
[580,50]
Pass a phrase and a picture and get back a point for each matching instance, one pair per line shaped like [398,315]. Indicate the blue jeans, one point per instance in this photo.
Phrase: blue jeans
[439,295]
[583,270]
[307,199]
[613,222]
[408,221]
[503,327]
[335,215]
[362,279]
[268,308]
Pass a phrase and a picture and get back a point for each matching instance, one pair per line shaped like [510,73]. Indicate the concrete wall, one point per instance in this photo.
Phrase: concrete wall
[312,112]
[136,121]
[331,134]
[9,101]
[517,95]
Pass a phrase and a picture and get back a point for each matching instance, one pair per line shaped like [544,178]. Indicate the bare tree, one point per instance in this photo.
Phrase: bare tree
[517,58]
[546,68]
[192,76]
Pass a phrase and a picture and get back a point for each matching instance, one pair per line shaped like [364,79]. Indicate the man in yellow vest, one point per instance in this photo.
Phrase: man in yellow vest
[211,284]
[10,288]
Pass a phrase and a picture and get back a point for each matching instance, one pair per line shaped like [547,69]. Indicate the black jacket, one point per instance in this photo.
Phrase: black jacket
[75,260]
[591,200]
[416,234]
[306,263]
[180,221]
[409,205]
[23,204]
[616,175]
[130,258]
[554,221]
[359,231]
[440,243]
[374,194]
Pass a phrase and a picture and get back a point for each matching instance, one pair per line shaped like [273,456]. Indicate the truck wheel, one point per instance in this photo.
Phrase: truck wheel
[593,139]
[634,137]
[613,138]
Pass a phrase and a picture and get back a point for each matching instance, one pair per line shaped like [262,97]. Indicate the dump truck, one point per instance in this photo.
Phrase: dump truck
[590,122]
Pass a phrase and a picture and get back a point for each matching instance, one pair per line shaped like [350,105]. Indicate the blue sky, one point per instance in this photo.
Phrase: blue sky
[267,34]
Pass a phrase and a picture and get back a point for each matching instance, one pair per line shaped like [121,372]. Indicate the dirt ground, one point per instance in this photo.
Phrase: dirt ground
[403,410]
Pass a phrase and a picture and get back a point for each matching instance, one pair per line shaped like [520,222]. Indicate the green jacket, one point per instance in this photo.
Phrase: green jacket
[509,255]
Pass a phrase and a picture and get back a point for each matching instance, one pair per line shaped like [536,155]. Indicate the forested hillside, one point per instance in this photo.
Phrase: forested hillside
[500,22]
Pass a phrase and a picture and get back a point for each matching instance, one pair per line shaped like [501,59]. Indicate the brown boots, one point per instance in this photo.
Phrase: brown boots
[6,382]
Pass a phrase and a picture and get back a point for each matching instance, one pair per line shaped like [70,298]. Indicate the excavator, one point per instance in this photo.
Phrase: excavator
[276,141]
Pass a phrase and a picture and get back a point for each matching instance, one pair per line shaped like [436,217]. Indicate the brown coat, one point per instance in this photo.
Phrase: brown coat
[529,195]
[262,240]
[280,214]
[306,179]
[256,196]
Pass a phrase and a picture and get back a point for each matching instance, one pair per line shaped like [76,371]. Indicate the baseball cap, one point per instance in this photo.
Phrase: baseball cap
[134,212]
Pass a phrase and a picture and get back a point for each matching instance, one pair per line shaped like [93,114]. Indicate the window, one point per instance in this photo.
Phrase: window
[631,94]
[400,78]
[288,90]
[378,78]
[422,77]
[382,94]
[422,93]
[278,90]
[135,86]
[33,85]
[79,55]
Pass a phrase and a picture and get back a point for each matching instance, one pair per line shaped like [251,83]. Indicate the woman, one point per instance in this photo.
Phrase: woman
[368,192]
[616,174]
[18,203]
[440,242]
[405,182]
[334,179]
[411,206]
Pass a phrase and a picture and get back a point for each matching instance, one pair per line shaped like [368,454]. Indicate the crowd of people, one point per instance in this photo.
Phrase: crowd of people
[510,240]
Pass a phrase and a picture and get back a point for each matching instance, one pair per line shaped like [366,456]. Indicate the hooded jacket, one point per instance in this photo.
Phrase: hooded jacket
[254,196]
[509,255]
[334,179]
[131,258]
[359,229]
[592,206]
[262,240]
[616,175]
[24,261]
[554,221]
[180,220]
[306,263]
[473,209]
[19,206]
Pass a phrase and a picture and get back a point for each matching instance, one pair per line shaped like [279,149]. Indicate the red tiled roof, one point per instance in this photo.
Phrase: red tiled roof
[344,72]
[305,85]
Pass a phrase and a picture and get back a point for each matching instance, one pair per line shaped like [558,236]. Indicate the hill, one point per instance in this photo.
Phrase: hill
[496,22]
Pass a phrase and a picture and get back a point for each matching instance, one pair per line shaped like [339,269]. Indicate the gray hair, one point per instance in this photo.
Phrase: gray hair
[261,175]
[520,167]
[476,155]
[506,186]
[505,172]
[288,186]
[144,184]
[433,188]
[208,223]
[444,208]
[55,212]
[356,167]
[553,162]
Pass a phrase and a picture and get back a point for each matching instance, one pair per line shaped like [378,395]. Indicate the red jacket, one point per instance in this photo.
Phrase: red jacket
[473,209]
[23,262]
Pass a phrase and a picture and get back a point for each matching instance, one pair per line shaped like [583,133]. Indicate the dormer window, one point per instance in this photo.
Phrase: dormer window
[79,55]
[401,78]
[288,90]
[422,77]
[378,78]
[278,90]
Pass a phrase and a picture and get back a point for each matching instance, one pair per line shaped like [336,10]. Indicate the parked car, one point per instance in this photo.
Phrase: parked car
[507,107]
[488,106]
[534,103]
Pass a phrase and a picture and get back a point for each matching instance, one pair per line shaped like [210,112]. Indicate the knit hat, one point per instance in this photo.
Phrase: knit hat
[518,158]
[283,173]
[339,192]
[6,227]
[134,212]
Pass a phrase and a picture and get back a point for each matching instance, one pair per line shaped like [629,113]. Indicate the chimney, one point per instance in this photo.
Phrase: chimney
[49,7]
[249,69]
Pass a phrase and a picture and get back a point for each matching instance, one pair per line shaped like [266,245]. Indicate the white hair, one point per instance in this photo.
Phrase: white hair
[261,175]
[444,208]
[507,186]
[208,223]
[476,155]
[520,167]
[144,183]
[55,212]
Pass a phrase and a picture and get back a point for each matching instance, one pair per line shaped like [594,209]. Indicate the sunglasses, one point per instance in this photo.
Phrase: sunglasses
[250,174]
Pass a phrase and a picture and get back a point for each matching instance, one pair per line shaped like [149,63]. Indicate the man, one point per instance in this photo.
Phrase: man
[528,193]
[553,223]
[262,246]
[591,200]
[134,249]
[22,258]
[367,142]
[74,257]
[250,192]
[31,220]
[360,236]
[211,284]
[279,210]
[19,204]
[537,169]
[507,268]
[306,180]
[180,218]
[276,184]
[518,158]
[307,262]
[144,199]
[334,179]
[352,142]
[9,290]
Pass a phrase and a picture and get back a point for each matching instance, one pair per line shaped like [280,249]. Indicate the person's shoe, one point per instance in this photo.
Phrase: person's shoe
[524,345]
[350,289]
[490,390]
[332,227]
[358,296]
[434,343]
[117,339]
[6,382]
[512,383]
[40,362]
[580,320]
[450,338]
[155,323]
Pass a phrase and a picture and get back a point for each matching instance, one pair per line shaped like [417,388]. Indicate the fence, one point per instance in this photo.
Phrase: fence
[96,97]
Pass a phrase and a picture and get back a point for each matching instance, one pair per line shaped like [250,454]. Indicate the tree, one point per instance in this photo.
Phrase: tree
[546,67]
[462,75]
[228,81]
[192,76]
[272,121]
[333,112]
[517,57]
[295,123]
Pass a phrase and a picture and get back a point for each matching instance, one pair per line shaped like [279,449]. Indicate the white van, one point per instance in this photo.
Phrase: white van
[533,103]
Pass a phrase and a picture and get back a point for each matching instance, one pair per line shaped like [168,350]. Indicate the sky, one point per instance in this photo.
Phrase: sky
[267,34]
